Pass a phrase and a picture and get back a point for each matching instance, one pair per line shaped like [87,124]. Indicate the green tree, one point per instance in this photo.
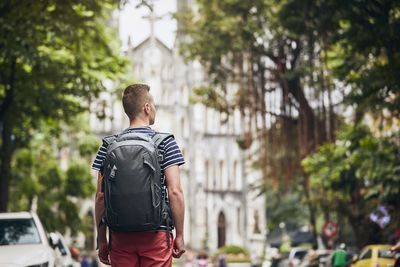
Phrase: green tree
[355,175]
[278,70]
[287,208]
[369,38]
[38,179]
[54,56]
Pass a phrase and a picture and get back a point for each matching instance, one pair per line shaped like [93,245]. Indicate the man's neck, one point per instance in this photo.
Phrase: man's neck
[139,123]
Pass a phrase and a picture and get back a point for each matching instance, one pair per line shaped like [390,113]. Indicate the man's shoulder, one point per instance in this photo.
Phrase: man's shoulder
[163,136]
[166,137]
[109,139]
[139,130]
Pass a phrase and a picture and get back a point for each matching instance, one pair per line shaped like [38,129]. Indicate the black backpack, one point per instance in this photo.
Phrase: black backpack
[133,193]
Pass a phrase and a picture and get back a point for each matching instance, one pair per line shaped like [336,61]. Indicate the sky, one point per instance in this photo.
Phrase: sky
[132,23]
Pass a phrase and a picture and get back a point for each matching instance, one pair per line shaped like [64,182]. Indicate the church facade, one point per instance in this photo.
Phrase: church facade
[220,207]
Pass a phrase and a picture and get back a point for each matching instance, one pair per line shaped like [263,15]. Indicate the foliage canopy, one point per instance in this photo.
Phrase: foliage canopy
[54,57]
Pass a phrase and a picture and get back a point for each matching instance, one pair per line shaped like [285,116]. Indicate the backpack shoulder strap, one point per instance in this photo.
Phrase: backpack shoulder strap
[132,136]
[109,139]
[158,138]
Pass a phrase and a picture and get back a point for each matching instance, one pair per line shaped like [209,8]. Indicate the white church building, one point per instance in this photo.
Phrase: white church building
[220,207]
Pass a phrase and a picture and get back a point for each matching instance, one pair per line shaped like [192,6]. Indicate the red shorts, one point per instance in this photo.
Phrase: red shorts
[141,249]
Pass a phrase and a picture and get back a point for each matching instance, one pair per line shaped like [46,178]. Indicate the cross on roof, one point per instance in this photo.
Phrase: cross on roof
[152,17]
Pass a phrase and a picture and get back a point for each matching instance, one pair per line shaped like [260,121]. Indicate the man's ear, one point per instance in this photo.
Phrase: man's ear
[147,108]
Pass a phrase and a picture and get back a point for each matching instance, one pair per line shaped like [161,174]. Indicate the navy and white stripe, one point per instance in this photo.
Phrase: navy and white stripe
[101,155]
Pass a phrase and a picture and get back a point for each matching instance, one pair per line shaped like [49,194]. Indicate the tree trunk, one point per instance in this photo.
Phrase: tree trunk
[6,155]
[311,207]
[307,120]
[362,230]
[6,126]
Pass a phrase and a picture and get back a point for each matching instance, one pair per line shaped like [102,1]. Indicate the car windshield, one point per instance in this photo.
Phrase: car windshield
[300,254]
[18,232]
[385,253]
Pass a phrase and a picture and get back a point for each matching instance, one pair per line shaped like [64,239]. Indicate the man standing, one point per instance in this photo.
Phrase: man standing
[146,248]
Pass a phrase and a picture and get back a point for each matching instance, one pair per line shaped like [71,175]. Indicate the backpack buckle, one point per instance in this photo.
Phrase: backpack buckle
[160,156]
[113,170]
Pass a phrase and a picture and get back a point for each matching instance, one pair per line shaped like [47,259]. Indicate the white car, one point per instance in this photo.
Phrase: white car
[64,258]
[23,241]
[295,257]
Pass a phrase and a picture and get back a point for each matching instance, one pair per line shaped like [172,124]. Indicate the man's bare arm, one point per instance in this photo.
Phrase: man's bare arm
[99,203]
[177,204]
[99,211]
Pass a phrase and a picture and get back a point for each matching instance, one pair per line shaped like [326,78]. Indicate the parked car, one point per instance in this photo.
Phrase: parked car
[63,258]
[295,257]
[323,255]
[375,255]
[24,242]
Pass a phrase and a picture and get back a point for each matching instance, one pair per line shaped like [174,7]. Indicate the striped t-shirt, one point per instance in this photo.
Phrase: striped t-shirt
[169,148]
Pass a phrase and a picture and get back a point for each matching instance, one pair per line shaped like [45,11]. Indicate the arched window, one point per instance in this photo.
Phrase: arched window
[184,127]
[256,217]
[239,228]
[205,120]
[222,176]
[221,229]
[234,177]
[238,175]
[207,175]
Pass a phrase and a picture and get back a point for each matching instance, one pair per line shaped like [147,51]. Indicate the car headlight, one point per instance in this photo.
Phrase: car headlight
[44,264]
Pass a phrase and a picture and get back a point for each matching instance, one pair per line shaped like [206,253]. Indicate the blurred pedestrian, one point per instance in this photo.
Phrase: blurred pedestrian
[75,253]
[222,261]
[94,262]
[276,257]
[396,250]
[312,257]
[255,260]
[202,260]
[340,256]
[85,262]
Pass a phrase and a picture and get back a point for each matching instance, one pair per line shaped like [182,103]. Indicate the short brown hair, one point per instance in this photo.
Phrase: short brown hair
[135,96]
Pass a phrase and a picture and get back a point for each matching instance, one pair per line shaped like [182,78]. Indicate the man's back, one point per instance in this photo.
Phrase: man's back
[167,148]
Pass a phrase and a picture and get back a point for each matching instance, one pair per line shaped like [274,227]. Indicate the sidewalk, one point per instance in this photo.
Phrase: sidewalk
[190,265]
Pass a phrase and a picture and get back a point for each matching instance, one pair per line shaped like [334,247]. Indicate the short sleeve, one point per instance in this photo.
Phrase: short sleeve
[100,157]
[172,154]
